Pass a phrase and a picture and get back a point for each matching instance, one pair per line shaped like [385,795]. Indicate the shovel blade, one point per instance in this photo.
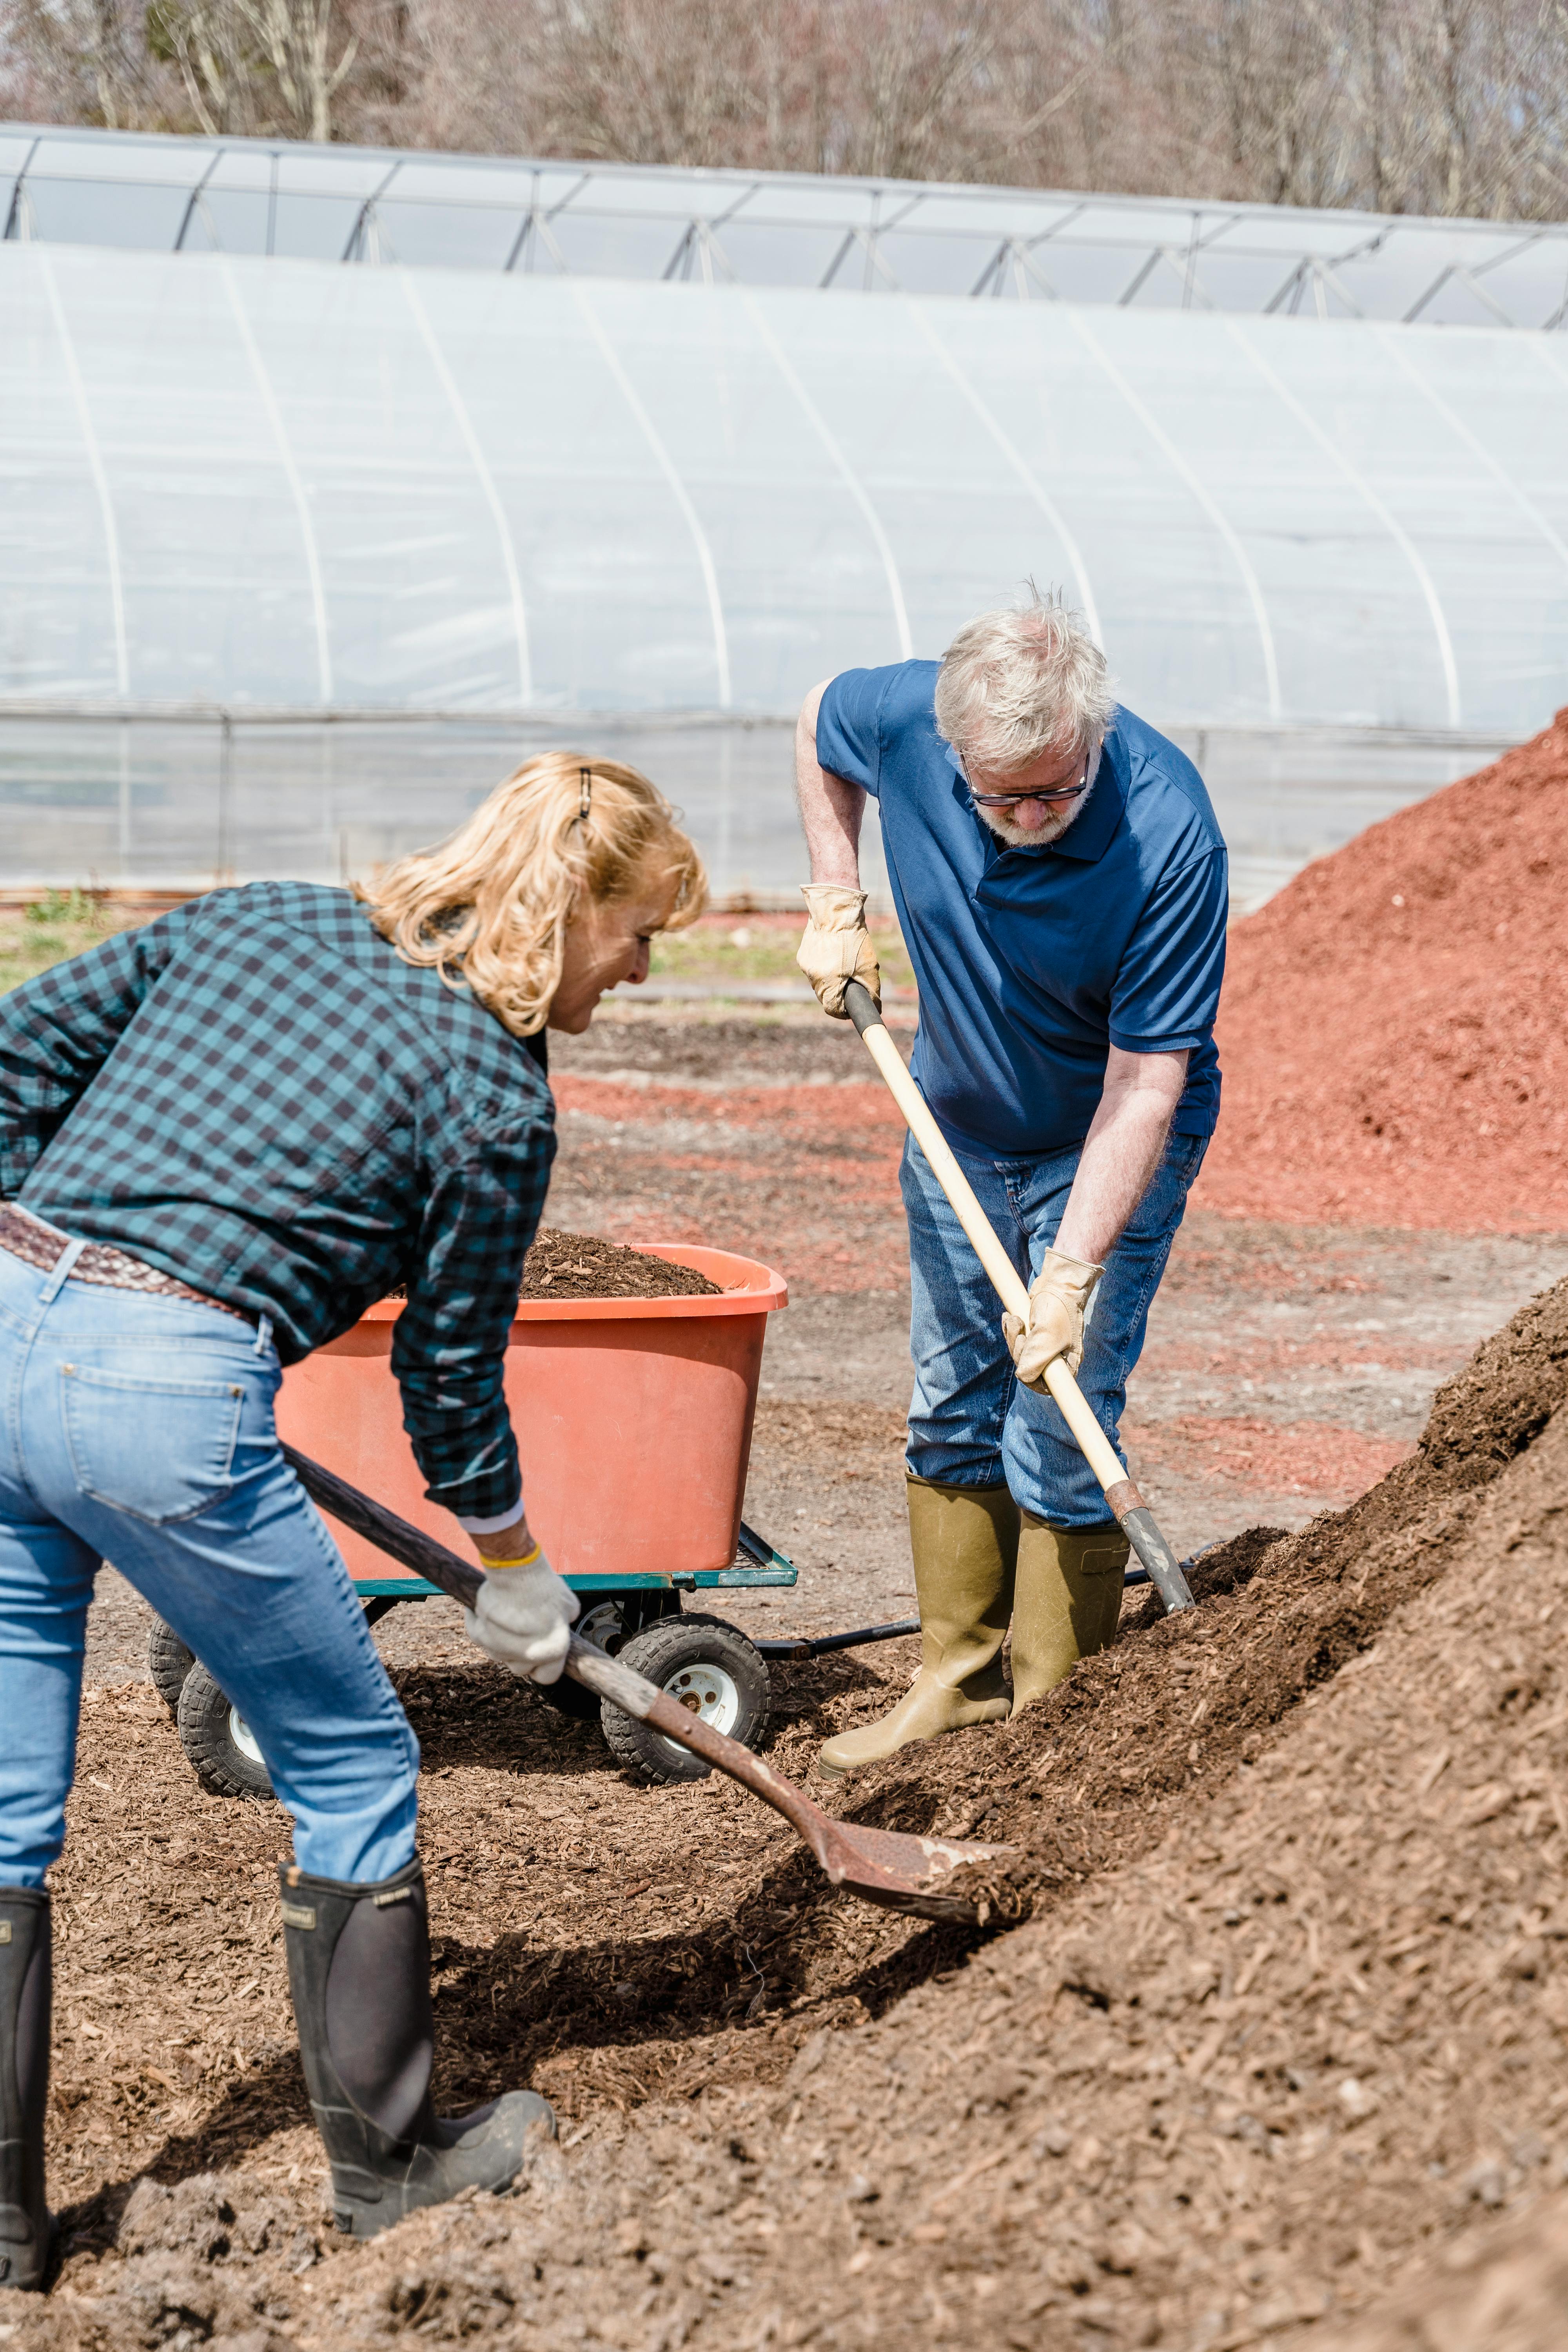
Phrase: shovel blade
[902,1872]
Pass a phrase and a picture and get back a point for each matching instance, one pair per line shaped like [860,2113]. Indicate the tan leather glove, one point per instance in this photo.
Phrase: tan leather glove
[1059,1302]
[836,947]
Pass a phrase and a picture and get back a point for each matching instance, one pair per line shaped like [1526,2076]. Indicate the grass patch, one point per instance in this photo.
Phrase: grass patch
[730,947]
[45,932]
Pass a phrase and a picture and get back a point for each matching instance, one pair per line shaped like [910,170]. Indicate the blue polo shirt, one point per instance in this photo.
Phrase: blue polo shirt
[1032,963]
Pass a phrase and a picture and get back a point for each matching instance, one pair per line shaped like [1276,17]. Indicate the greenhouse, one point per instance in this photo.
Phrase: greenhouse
[336,481]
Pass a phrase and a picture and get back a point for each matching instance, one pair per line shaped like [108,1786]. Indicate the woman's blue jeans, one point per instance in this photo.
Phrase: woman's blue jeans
[971,1425]
[139,1429]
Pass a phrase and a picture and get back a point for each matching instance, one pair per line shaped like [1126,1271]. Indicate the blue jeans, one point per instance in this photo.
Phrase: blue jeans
[971,1425]
[139,1429]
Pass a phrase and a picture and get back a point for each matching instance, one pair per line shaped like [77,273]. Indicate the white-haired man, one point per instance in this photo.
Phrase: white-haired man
[1061,883]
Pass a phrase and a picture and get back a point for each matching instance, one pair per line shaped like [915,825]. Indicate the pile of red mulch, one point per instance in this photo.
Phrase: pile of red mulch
[1394,1026]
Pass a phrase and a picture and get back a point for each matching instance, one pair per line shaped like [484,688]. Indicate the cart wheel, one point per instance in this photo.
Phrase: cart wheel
[602,1619]
[169,1661]
[214,1735]
[708,1666]
[600,1622]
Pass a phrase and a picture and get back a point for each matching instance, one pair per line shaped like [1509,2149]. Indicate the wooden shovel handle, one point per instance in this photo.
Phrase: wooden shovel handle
[635,1695]
[593,1667]
[1136,1519]
[843,1853]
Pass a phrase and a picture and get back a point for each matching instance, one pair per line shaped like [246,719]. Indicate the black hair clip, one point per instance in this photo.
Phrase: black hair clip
[584,794]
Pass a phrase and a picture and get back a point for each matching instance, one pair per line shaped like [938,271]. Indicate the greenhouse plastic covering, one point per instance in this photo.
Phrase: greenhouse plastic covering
[389,525]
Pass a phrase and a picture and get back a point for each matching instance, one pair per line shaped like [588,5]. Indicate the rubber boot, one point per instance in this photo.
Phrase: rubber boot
[359,1971]
[26,2226]
[965,1540]
[1066,1603]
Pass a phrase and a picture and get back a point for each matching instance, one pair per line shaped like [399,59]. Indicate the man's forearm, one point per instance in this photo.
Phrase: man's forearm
[1119,1155]
[831,809]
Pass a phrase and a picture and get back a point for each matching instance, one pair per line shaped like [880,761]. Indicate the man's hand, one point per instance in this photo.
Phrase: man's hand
[836,946]
[523,1616]
[1059,1297]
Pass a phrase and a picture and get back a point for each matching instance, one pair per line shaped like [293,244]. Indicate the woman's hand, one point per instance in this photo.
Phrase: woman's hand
[523,1616]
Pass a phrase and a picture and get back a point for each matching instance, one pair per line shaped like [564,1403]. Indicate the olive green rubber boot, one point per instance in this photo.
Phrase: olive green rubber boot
[1067,1604]
[965,1540]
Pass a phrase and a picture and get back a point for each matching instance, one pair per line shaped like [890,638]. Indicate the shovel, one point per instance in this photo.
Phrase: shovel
[1136,1519]
[883,1866]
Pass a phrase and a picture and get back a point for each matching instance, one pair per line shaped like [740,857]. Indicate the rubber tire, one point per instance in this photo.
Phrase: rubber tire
[223,1769]
[570,1699]
[658,1653]
[169,1661]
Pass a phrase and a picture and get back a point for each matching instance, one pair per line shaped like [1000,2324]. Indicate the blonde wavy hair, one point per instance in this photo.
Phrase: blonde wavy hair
[490,908]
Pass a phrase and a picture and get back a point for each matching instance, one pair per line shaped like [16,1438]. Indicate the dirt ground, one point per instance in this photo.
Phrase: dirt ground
[1268,2015]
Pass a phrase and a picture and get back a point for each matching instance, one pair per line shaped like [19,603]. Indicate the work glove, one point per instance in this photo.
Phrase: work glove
[1059,1299]
[523,1617]
[836,946]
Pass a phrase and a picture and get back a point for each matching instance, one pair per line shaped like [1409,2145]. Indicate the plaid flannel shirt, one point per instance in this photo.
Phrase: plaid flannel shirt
[256,1094]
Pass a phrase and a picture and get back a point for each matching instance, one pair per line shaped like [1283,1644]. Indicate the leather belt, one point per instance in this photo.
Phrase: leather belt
[41,1245]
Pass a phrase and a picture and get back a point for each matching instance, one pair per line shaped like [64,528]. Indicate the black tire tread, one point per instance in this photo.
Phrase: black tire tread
[168,1662]
[655,1653]
[570,1699]
[205,1736]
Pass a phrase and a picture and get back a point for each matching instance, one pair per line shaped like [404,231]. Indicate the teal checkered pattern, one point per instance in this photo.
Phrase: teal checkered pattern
[255,1093]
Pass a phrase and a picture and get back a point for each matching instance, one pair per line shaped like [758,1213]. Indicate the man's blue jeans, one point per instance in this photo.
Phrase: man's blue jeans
[139,1429]
[971,1425]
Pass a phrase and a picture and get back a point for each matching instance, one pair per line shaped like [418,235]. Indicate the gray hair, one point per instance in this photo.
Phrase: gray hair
[1022,681]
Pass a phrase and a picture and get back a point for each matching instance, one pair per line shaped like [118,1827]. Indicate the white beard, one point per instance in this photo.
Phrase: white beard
[1040,837]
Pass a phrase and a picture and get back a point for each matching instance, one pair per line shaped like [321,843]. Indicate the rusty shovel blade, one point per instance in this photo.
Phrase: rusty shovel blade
[899,1872]
[890,1867]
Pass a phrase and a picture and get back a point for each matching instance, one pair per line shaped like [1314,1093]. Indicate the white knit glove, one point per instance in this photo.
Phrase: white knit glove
[836,946]
[1059,1299]
[523,1618]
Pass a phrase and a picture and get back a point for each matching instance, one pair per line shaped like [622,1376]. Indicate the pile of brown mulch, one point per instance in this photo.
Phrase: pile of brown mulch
[582,1265]
[1394,1026]
[1181,1698]
[1286,2013]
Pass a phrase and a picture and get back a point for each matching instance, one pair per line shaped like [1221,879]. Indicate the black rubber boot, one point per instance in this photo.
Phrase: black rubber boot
[359,1971]
[24,1990]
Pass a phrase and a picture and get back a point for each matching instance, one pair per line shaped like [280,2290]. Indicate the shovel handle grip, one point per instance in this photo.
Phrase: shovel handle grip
[1136,1519]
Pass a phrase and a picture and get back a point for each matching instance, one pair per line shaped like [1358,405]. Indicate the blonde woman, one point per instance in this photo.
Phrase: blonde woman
[221,1138]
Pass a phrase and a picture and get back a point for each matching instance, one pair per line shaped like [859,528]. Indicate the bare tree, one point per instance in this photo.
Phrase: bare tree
[656,81]
[83,61]
[255,65]
[1446,106]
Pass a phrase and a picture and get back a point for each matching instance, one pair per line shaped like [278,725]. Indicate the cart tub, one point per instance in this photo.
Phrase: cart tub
[633,1420]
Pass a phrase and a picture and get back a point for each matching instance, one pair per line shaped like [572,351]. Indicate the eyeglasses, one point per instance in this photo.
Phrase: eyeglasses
[1041,792]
